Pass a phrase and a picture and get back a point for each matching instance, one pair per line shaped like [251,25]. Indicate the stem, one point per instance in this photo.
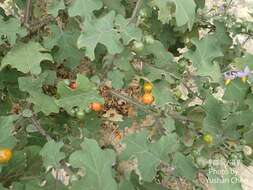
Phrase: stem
[134,102]
[135,11]
[79,23]
[33,119]
[194,93]
[149,109]
[27,12]
[39,128]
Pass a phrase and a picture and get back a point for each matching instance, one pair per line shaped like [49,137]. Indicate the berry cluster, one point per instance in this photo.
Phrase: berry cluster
[148,97]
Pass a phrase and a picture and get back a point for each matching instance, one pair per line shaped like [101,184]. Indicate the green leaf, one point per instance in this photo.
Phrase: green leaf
[185,11]
[8,75]
[11,28]
[168,124]
[128,31]
[44,103]
[1,186]
[100,31]
[81,97]
[236,91]
[41,101]
[126,185]
[165,9]
[66,43]
[214,114]
[30,84]
[54,6]
[97,164]
[7,139]
[84,8]
[115,5]
[245,60]
[51,153]
[162,93]
[26,57]
[117,79]
[184,167]
[202,58]
[32,184]
[151,186]
[221,35]
[149,155]
[162,57]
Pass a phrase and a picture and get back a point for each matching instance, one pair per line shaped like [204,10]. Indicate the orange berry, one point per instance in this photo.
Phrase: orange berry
[5,155]
[147,98]
[147,87]
[73,85]
[118,136]
[96,106]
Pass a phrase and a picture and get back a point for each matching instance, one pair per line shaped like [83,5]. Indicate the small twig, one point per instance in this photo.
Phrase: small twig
[135,11]
[134,102]
[246,40]
[33,119]
[194,93]
[28,10]
[79,23]
[40,129]
[149,109]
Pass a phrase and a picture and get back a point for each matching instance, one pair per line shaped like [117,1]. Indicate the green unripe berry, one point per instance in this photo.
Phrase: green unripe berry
[208,138]
[80,114]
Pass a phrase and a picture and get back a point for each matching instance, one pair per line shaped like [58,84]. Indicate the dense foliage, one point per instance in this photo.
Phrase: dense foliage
[122,95]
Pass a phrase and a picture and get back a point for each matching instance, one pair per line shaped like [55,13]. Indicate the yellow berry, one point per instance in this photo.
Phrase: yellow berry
[147,87]
[5,155]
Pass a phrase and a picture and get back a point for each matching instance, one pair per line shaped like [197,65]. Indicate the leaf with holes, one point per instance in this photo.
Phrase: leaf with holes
[100,31]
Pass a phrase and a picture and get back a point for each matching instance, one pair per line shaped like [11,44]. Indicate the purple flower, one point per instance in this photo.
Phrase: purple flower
[244,73]
[230,75]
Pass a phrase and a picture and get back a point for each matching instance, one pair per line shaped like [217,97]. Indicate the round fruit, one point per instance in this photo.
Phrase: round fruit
[73,85]
[208,138]
[147,98]
[95,106]
[247,150]
[5,155]
[80,114]
[147,87]
[138,46]
[149,39]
